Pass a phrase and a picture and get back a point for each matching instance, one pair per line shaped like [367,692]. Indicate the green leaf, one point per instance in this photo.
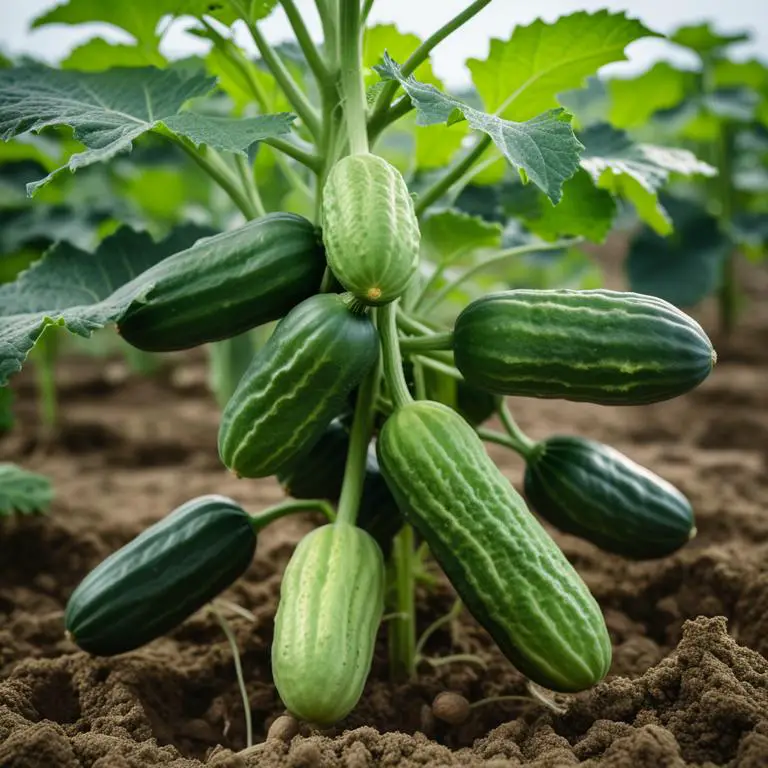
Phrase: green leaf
[585,211]
[109,110]
[636,171]
[753,74]
[6,409]
[79,290]
[449,234]
[634,100]
[399,46]
[437,144]
[684,268]
[23,491]
[704,40]
[523,75]
[590,104]
[544,148]
[141,17]
[97,55]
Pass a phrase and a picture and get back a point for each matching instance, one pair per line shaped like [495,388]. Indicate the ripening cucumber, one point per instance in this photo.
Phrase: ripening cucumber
[296,385]
[161,577]
[331,605]
[600,346]
[505,567]
[591,490]
[370,229]
[226,284]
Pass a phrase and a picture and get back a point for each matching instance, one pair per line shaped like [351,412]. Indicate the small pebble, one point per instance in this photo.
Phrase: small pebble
[451,708]
[284,728]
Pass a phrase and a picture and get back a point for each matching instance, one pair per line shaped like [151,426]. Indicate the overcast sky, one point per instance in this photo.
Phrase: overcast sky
[422,17]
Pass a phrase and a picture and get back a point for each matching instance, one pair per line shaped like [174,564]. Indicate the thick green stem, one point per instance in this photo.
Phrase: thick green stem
[402,630]
[367,5]
[433,341]
[329,16]
[351,74]
[393,360]
[520,441]
[421,54]
[269,515]
[440,367]
[507,253]
[452,175]
[385,119]
[309,49]
[293,93]
[359,440]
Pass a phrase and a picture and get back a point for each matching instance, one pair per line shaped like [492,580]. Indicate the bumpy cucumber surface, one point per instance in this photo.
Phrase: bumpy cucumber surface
[319,474]
[599,346]
[505,567]
[164,575]
[296,385]
[370,229]
[591,490]
[225,284]
[331,604]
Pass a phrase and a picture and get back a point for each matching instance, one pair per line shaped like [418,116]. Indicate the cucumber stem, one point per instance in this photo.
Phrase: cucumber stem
[438,341]
[393,361]
[269,515]
[45,375]
[519,441]
[447,618]
[402,630]
[728,297]
[359,440]
[224,624]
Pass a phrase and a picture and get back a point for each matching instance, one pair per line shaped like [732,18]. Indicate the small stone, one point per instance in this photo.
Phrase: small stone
[451,708]
[284,728]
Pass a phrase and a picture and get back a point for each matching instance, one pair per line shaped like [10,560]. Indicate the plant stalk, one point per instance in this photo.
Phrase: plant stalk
[393,361]
[728,296]
[402,629]
[309,49]
[269,515]
[438,341]
[351,74]
[520,442]
[359,440]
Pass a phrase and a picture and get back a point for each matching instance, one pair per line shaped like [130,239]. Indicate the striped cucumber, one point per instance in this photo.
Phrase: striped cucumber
[331,604]
[598,346]
[296,385]
[153,583]
[508,571]
[225,284]
[593,491]
[370,229]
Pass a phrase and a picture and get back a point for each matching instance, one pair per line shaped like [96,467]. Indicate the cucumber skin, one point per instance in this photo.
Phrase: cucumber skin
[330,609]
[152,584]
[590,490]
[319,474]
[604,347]
[226,284]
[296,385]
[505,567]
[370,229]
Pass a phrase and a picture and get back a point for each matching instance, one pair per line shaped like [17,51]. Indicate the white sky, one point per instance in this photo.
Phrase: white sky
[422,17]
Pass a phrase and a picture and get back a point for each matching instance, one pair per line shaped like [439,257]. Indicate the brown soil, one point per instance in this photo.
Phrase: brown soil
[689,684]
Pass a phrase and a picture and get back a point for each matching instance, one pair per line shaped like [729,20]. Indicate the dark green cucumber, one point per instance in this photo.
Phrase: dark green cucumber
[505,567]
[164,575]
[593,491]
[225,284]
[319,474]
[297,383]
[600,346]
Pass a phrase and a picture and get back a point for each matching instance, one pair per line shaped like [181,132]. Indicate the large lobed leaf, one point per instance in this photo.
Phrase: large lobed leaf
[523,75]
[110,110]
[23,491]
[544,148]
[79,290]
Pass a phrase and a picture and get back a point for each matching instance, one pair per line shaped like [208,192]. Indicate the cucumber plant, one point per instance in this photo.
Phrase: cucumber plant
[370,397]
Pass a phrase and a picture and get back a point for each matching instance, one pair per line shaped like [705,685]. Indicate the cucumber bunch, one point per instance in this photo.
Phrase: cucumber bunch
[355,402]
